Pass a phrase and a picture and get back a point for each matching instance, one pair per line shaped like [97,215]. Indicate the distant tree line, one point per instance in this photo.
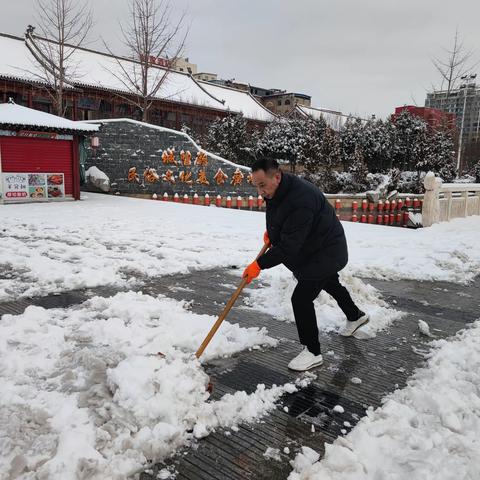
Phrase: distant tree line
[363,155]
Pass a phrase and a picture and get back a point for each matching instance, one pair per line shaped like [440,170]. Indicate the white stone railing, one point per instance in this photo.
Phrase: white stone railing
[444,201]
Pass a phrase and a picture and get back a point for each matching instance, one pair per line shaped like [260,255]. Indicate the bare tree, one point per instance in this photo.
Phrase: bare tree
[455,65]
[152,39]
[63,26]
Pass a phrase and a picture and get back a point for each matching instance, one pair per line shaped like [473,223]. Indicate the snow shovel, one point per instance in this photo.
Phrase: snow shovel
[227,308]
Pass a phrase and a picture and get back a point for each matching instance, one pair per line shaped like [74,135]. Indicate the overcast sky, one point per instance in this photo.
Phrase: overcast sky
[358,56]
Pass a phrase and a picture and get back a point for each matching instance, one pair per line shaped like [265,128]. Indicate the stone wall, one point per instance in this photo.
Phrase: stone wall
[127,143]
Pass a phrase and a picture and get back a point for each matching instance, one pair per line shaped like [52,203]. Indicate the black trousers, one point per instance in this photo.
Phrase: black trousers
[303,296]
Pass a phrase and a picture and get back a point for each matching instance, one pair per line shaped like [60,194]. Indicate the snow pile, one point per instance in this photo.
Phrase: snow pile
[95,390]
[447,251]
[98,178]
[429,428]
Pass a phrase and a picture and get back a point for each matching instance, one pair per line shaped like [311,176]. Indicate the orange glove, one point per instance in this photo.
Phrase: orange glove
[266,239]
[251,272]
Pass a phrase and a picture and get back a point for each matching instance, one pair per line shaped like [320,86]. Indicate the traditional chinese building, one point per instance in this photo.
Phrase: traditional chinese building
[97,92]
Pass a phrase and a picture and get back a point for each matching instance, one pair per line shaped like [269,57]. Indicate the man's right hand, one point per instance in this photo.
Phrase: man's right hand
[266,239]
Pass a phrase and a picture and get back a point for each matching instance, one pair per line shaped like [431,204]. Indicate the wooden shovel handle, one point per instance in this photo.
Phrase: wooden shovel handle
[227,308]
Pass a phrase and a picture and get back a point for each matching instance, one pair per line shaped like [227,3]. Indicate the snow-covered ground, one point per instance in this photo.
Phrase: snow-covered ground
[425,431]
[85,393]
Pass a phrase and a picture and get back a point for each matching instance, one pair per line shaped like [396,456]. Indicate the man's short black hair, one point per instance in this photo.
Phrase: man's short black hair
[265,164]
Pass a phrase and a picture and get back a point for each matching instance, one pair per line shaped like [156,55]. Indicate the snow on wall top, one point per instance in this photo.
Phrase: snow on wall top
[239,100]
[12,114]
[164,129]
[335,120]
[99,70]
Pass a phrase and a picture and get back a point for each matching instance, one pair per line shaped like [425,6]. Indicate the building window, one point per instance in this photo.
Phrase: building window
[105,106]
[279,102]
[287,101]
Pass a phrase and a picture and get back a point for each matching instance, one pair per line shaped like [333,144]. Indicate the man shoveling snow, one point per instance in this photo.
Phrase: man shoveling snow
[307,237]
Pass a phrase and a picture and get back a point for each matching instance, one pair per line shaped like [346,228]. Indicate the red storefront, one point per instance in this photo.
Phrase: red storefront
[39,155]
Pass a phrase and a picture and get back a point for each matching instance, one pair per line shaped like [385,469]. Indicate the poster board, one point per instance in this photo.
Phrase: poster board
[26,187]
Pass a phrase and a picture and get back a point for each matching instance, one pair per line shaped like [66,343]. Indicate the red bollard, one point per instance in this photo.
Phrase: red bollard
[399,218]
[400,204]
[364,205]
[338,204]
[259,202]
[391,219]
[371,207]
[250,202]
[379,219]
[371,218]
[229,202]
[354,218]
[416,203]
[176,198]
[408,202]
[386,206]
[380,206]
[218,201]
[186,199]
[196,200]
[393,205]
[206,200]
[386,218]
[239,202]
[363,219]
[405,218]
[165,197]
[354,206]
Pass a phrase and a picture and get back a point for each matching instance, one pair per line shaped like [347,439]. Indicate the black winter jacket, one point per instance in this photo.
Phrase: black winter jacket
[305,233]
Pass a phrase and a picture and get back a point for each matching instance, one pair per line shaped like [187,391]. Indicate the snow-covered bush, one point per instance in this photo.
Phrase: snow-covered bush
[476,172]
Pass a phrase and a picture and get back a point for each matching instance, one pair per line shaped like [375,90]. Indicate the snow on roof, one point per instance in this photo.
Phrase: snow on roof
[100,70]
[334,119]
[239,101]
[11,114]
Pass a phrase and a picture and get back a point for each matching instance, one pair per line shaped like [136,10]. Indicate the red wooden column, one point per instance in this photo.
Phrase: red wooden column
[75,169]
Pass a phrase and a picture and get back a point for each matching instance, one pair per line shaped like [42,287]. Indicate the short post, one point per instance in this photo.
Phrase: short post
[431,201]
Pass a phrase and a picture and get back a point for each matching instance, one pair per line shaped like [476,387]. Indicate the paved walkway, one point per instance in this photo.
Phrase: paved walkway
[382,363]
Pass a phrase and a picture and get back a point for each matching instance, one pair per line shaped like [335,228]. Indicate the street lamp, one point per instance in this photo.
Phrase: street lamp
[468,81]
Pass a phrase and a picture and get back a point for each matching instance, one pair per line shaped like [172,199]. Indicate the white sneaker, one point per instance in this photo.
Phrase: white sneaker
[305,360]
[351,327]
